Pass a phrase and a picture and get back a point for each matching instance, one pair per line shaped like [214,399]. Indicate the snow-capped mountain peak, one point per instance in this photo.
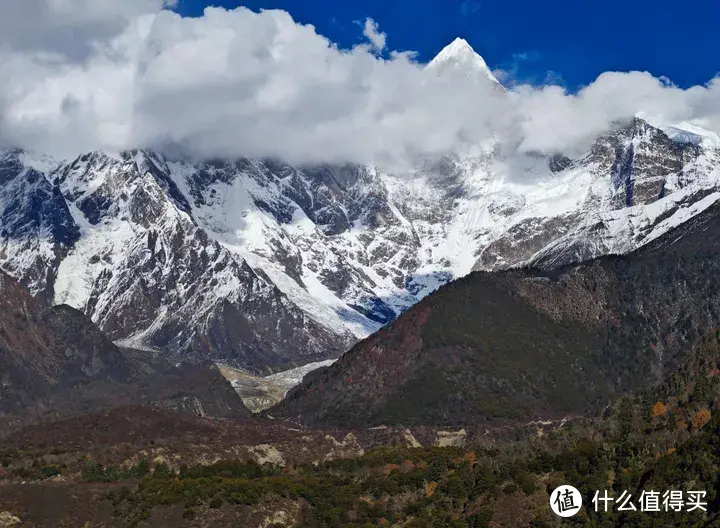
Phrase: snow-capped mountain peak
[458,49]
[459,56]
[261,265]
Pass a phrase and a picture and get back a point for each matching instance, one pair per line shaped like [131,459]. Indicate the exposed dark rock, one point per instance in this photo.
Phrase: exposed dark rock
[559,163]
[36,227]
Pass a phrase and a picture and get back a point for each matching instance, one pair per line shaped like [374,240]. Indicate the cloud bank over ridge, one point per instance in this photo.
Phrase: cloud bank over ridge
[80,75]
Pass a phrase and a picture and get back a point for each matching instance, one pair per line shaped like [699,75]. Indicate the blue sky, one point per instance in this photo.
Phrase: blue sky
[571,41]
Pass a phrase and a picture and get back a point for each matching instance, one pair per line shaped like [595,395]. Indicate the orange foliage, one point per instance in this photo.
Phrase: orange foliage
[472,458]
[658,410]
[407,466]
[430,488]
[389,468]
[701,418]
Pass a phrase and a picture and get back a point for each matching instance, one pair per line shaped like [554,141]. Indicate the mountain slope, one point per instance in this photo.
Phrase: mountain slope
[528,344]
[145,272]
[55,362]
[35,358]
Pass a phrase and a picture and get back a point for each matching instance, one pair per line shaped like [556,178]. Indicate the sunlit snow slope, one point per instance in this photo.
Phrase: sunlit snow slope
[262,265]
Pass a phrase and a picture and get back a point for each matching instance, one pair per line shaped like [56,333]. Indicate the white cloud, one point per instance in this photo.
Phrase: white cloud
[70,28]
[240,83]
[377,38]
[551,119]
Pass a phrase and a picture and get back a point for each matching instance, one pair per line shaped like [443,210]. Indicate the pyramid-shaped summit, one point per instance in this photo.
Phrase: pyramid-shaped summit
[459,56]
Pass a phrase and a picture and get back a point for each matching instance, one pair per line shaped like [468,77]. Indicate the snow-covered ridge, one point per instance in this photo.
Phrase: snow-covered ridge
[257,263]
[151,249]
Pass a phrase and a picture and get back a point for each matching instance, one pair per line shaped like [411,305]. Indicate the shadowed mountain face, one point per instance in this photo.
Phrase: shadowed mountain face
[44,349]
[55,362]
[527,344]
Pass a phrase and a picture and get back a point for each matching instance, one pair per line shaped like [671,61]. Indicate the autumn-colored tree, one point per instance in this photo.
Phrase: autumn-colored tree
[389,468]
[407,466]
[659,410]
[430,488]
[471,457]
[701,418]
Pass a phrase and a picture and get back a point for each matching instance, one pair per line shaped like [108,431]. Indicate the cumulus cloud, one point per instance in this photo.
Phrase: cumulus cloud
[551,119]
[68,27]
[374,35]
[242,83]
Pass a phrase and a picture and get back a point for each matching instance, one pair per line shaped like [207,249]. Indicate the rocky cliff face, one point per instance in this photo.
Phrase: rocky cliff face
[124,247]
[522,345]
[36,227]
[633,185]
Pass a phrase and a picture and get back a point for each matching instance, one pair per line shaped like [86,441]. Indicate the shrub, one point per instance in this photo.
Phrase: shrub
[701,418]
